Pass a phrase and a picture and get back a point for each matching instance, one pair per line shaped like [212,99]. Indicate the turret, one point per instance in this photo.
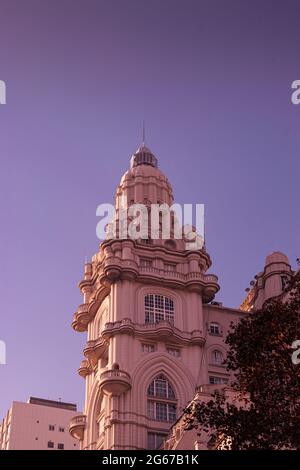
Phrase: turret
[268,283]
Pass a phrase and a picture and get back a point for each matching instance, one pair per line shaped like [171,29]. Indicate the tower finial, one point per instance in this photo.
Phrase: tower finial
[144,133]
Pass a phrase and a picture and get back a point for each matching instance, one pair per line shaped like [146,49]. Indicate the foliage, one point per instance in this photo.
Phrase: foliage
[265,380]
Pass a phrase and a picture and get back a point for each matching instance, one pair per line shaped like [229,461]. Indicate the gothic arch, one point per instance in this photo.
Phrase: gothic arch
[94,403]
[98,317]
[181,380]
[101,293]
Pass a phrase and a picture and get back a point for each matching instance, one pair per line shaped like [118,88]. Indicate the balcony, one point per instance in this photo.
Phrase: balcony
[77,426]
[114,381]
[94,350]
[153,331]
[205,284]
[84,368]
[81,318]
[113,267]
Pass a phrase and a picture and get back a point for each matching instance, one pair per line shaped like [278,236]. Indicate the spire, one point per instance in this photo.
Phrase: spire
[144,134]
[143,155]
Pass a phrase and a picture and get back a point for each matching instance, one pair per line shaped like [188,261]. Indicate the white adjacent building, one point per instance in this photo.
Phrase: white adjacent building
[38,424]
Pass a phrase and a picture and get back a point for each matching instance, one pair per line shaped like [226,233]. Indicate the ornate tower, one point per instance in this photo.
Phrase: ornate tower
[143,313]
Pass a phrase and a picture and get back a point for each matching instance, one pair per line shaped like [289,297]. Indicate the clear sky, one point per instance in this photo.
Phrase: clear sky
[211,78]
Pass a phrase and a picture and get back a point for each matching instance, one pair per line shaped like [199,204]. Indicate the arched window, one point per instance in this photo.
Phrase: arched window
[158,308]
[161,400]
[217,357]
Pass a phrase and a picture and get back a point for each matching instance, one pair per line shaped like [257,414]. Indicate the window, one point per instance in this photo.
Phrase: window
[160,387]
[217,357]
[213,380]
[165,412]
[61,429]
[214,329]
[146,241]
[158,308]
[174,352]
[50,445]
[51,427]
[145,263]
[60,446]
[161,400]
[170,267]
[155,439]
[148,348]
[284,280]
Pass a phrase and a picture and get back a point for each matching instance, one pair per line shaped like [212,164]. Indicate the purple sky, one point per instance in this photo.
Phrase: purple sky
[212,80]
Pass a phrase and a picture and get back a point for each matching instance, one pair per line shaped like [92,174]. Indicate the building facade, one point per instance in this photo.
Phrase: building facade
[155,335]
[38,424]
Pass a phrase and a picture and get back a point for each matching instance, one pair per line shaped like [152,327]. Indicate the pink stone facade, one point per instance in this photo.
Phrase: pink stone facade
[155,336]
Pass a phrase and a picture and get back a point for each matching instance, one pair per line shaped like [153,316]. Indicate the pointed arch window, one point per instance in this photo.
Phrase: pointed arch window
[161,400]
[158,308]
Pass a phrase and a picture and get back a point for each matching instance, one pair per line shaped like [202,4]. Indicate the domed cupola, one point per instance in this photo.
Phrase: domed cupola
[143,156]
[144,183]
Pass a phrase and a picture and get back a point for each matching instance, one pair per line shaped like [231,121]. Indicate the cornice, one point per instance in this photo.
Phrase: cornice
[162,330]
